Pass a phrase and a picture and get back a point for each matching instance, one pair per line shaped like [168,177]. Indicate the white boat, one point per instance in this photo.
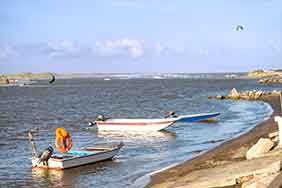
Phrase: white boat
[147,124]
[84,156]
[135,124]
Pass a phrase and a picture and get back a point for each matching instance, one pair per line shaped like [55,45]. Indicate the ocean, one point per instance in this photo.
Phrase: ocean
[72,103]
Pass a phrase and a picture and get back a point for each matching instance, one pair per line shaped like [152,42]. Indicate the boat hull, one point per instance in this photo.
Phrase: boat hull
[134,124]
[196,117]
[80,158]
[149,124]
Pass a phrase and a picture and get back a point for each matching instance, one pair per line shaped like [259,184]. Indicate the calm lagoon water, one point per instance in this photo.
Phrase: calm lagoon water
[71,103]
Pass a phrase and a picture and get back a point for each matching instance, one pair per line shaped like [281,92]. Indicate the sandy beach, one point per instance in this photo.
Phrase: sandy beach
[225,153]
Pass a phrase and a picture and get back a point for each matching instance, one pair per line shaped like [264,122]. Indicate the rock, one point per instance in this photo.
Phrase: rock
[268,179]
[261,81]
[252,94]
[261,147]
[272,135]
[219,97]
[258,94]
[240,153]
[234,93]
[272,168]
[253,184]
[260,181]
[243,179]
[245,95]
[278,119]
[275,139]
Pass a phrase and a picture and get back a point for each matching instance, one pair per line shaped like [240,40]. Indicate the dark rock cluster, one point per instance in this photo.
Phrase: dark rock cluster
[246,95]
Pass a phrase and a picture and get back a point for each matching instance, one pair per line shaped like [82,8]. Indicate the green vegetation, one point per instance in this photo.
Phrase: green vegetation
[27,75]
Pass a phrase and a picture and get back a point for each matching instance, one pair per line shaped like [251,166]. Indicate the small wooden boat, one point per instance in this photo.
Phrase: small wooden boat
[146,124]
[135,124]
[197,117]
[84,156]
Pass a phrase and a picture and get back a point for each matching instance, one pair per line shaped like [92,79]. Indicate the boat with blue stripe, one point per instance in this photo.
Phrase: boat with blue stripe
[196,117]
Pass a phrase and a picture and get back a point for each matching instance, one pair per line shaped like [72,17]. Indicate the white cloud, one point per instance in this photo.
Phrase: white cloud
[119,48]
[64,49]
[7,51]
[131,48]
[134,49]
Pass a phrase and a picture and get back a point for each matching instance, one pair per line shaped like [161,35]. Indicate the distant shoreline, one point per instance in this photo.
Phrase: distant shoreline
[14,79]
[124,75]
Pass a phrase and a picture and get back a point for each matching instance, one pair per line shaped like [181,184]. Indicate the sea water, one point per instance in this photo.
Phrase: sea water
[72,103]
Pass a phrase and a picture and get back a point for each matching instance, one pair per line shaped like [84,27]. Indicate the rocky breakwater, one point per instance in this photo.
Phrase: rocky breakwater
[267,76]
[270,81]
[246,95]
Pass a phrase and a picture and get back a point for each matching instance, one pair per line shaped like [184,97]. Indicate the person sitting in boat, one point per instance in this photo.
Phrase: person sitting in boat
[171,114]
[100,118]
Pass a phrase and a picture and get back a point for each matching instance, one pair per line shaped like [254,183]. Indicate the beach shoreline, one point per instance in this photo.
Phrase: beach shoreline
[225,152]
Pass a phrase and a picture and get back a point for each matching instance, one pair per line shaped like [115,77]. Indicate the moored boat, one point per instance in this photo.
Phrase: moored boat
[197,117]
[104,124]
[84,156]
[135,124]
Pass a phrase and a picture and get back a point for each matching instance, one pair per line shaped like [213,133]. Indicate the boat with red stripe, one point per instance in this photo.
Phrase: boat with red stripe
[105,124]
[135,124]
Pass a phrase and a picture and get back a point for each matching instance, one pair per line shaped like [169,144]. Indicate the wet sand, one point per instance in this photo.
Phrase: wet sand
[233,150]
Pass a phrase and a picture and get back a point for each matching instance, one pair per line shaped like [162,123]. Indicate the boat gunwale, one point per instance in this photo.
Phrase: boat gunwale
[149,122]
[84,156]
[124,123]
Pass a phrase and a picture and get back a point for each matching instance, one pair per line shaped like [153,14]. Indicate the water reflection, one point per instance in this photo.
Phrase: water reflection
[137,135]
[68,177]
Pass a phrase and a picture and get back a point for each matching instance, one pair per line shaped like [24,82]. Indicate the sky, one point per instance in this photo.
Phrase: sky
[135,36]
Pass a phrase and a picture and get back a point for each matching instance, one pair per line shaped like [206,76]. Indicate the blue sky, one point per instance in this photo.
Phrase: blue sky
[139,35]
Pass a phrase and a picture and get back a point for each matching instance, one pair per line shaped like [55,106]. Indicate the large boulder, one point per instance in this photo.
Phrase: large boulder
[258,94]
[234,94]
[273,134]
[278,119]
[260,182]
[261,147]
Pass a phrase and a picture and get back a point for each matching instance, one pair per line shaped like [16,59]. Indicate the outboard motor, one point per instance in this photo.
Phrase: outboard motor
[45,155]
[91,124]
[171,114]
